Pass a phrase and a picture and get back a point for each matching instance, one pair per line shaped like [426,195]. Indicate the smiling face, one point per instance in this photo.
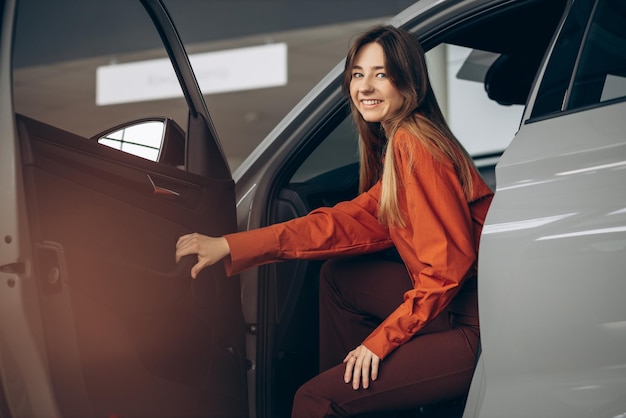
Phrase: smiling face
[371,90]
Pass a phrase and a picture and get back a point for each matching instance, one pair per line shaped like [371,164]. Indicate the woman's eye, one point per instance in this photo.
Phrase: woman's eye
[357,75]
[381,75]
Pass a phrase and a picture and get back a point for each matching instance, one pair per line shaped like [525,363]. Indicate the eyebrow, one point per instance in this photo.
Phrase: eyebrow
[376,67]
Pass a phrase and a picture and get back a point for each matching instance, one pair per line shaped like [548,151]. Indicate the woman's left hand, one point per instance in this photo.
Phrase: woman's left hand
[361,366]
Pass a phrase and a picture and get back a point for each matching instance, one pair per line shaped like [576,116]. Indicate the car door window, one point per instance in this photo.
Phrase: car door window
[87,79]
[580,76]
[557,75]
[601,72]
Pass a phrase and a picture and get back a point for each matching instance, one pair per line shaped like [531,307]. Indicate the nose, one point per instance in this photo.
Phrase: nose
[365,85]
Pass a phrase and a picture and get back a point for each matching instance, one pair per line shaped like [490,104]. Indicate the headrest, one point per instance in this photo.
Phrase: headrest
[509,79]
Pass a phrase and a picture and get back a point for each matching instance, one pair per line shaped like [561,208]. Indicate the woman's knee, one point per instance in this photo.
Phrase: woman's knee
[308,403]
[330,285]
[328,271]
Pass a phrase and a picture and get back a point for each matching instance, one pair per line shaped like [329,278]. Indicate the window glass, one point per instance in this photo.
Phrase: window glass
[339,149]
[144,139]
[557,76]
[601,72]
[81,78]
[481,124]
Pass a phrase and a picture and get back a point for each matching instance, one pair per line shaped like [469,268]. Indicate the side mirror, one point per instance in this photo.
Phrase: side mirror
[157,139]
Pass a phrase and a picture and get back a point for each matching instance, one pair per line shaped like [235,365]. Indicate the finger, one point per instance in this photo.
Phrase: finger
[179,245]
[347,375]
[375,365]
[180,240]
[365,371]
[180,253]
[183,240]
[195,270]
[183,251]
[356,373]
[183,247]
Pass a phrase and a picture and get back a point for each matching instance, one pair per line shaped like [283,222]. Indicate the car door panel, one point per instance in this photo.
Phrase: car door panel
[550,254]
[122,320]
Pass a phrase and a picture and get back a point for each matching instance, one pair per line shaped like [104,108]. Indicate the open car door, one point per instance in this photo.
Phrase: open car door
[97,319]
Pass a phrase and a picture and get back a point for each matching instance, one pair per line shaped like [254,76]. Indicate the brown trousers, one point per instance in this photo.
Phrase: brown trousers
[436,365]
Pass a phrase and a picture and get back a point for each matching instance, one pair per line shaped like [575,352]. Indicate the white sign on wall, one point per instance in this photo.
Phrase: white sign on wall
[216,72]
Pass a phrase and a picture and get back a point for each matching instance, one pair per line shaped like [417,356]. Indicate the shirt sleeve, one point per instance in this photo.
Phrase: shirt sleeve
[348,228]
[440,249]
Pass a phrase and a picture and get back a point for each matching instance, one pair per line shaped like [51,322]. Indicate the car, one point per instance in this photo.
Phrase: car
[98,320]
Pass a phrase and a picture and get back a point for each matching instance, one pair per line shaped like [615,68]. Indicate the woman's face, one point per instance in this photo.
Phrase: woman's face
[371,91]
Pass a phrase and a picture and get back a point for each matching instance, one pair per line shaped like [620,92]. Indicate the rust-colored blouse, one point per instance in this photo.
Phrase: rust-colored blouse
[439,243]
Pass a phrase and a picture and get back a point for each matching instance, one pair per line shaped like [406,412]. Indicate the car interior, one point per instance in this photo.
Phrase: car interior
[290,312]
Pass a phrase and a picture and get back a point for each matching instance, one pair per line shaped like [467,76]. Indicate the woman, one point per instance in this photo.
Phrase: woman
[399,335]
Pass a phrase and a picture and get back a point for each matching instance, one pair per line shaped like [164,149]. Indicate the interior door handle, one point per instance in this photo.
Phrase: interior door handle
[162,191]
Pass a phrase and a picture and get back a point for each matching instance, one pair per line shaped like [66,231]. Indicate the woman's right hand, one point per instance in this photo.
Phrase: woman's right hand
[210,250]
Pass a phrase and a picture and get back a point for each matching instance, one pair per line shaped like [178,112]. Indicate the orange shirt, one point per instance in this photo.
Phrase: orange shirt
[439,243]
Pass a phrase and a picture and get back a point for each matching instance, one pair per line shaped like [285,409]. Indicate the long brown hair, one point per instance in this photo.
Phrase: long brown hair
[405,65]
